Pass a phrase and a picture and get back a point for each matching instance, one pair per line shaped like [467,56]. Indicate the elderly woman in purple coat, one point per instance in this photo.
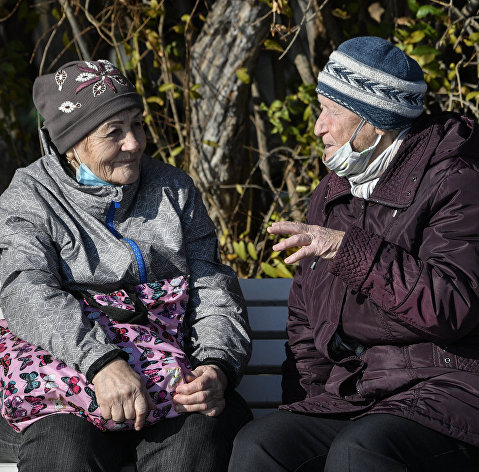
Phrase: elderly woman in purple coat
[382,367]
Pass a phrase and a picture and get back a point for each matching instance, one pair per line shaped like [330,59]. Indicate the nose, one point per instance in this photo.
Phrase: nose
[131,142]
[319,127]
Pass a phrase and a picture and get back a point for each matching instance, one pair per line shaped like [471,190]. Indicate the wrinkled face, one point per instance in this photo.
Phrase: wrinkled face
[335,126]
[113,150]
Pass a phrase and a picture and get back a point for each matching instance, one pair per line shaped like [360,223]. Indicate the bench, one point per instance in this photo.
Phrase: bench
[267,301]
[261,385]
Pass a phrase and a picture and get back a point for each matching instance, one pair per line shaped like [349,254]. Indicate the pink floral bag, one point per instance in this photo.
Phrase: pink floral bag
[33,384]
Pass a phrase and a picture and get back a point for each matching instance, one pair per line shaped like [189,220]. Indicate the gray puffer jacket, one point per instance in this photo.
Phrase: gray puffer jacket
[54,242]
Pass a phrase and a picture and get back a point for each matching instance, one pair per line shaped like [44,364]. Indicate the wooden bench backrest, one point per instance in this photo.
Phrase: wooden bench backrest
[267,301]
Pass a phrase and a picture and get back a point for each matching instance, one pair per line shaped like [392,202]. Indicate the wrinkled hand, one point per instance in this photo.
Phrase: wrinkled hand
[313,240]
[203,392]
[121,394]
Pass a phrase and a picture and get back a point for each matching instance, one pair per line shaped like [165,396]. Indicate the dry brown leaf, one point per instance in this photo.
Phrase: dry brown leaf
[376,11]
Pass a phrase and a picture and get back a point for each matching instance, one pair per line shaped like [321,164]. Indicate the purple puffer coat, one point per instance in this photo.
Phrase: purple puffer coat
[403,288]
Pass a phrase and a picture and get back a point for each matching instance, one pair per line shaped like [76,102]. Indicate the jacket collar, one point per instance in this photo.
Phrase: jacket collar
[398,185]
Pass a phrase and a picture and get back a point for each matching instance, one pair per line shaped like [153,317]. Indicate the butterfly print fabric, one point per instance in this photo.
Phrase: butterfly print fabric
[34,384]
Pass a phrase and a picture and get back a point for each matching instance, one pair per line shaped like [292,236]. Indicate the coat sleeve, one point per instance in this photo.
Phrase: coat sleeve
[33,302]
[435,291]
[305,370]
[216,324]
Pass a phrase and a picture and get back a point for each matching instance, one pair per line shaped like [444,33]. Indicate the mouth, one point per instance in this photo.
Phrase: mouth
[131,160]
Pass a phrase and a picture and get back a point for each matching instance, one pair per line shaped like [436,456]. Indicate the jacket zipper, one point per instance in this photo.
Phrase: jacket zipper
[140,261]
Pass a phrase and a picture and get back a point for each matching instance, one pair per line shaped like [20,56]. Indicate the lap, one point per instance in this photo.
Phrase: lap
[192,442]
[60,442]
[287,441]
[375,440]
[9,442]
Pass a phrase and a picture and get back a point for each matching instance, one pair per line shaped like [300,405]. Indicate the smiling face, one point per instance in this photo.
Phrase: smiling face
[113,150]
[335,126]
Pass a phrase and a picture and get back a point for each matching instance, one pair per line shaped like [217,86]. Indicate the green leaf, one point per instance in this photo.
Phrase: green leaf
[472,39]
[424,50]
[186,18]
[283,271]
[415,37]
[177,151]
[56,13]
[471,95]
[165,87]
[272,45]
[427,10]
[157,100]
[269,270]
[210,143]
[240,249]
[252,251]
[180,29]
[242,74]
[194,91]
[338,13]
[223,238]
[301,188]
[413,5]
[239,189]
[307,113]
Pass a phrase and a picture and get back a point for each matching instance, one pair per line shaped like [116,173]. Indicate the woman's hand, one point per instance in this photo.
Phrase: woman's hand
[121,394]
[313,240]
[203,392]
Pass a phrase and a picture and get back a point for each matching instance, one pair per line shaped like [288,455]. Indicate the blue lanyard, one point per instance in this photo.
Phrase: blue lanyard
[136,250]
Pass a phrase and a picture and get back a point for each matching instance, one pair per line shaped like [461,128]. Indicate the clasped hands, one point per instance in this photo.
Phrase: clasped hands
[121,395]
[312,240]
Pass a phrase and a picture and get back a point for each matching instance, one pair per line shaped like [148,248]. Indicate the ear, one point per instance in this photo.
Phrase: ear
[381,132]
[71,158]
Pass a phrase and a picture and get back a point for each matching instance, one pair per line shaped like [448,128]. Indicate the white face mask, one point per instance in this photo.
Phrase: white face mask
[346,162]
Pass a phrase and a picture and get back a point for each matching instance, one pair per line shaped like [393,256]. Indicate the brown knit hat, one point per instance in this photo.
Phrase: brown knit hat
[80,96]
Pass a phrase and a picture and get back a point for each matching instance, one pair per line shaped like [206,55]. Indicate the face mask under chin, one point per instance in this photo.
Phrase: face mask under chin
[85,176]
[346,162]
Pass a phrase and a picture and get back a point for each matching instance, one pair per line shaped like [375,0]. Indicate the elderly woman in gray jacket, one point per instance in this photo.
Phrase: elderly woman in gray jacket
[85,232]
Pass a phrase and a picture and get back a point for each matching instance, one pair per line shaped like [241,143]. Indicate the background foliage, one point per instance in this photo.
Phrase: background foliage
[239,120]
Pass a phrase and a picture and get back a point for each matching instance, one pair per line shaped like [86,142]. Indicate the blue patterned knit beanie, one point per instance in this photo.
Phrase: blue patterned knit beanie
[376,80]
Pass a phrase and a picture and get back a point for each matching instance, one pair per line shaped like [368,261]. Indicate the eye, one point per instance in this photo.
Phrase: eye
[114,133]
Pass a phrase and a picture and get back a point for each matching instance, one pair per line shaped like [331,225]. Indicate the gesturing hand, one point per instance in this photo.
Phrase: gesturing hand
[313,240]
[121,394]
[203,392]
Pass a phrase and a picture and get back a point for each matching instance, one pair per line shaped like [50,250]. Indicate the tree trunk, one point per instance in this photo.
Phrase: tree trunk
[229,40]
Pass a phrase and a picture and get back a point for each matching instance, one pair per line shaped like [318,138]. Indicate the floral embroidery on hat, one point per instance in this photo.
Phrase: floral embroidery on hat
[60,78]
[100,76]
[68,107]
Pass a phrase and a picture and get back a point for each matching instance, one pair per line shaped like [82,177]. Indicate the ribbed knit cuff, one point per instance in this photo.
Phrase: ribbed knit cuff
[355,256]
[103,361]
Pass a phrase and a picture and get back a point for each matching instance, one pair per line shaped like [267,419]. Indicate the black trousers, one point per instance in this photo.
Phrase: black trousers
[285,441]
[67,443]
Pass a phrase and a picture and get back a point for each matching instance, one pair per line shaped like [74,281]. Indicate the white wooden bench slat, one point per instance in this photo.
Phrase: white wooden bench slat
[261,388]
[266,291]
[268,318]
[267,352]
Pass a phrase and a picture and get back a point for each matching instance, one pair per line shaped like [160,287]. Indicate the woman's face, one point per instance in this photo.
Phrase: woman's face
[336,124]
[113,150]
